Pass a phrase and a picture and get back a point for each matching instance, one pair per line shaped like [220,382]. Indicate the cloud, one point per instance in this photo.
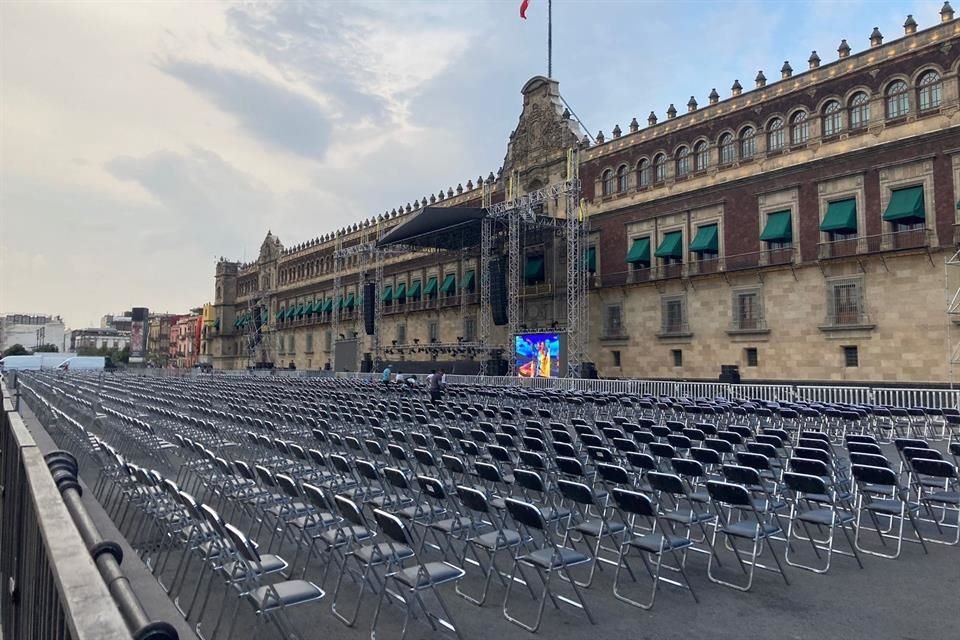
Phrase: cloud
[275,114]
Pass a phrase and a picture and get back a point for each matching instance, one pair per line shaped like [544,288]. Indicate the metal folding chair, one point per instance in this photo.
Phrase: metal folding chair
[880,495]
[814,503]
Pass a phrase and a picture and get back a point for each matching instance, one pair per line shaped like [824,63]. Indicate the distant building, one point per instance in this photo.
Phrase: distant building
[120,322]
[31,330]
[185,339]
[161,327]
[99,338]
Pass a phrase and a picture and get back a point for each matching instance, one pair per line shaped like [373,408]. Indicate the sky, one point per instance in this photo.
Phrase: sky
[141,141]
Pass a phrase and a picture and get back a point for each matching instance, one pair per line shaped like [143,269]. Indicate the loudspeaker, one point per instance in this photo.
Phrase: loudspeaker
[366,365]
[498,293]
[496,367]
[369,306]
[730,373]
[257,317]
[139,314]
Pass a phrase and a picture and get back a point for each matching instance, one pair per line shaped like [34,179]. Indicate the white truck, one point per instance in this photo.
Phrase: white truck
[35,362]
[85,363]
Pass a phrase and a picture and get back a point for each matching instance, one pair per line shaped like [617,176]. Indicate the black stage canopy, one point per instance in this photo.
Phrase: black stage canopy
[449,228]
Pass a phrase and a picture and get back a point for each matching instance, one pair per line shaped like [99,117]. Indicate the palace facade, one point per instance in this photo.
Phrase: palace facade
[798,228]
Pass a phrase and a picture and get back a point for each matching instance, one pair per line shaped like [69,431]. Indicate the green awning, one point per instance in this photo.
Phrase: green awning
[300,310]
[431,289]
[401,291]
[906,206]
[534,269]
[468,279]
[591,259]
[327,305]
[236,323]
[279,315]
[349,301]
[314,307]
[449,284]
[414,293]
[341,301]
[707,240]
[290,311]
[841,217]
[387,293]
[671,246]
[639,251]
[778,228]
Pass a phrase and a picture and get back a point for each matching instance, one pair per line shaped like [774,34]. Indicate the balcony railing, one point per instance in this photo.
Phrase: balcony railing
[894,241]
[674,330]
[847,319]
[748,325]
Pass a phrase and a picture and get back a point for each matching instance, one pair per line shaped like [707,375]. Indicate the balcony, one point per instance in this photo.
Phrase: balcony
[675,330]
[843,248]
[705,266]
[847,320]
[746,326]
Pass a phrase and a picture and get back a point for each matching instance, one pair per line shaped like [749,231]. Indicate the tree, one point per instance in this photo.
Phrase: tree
[16,350]
[46,348]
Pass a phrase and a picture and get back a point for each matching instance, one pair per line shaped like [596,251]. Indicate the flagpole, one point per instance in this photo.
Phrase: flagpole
[549,38]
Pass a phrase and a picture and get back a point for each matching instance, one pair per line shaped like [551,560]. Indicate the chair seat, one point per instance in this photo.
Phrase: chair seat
[384,551]
[825,516]
[418,511]
[657,543]
[452,525]
[548,559]
[764,505]
[943,497]
[340,535]
[596,528]
[495,540]
[551,514]
[288,509]
[432,573]
[750,530]
[688,516]
[285,594]
[315,521]
[269,563]
[889,507]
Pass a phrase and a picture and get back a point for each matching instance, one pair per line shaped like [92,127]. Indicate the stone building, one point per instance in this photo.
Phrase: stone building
[797,229]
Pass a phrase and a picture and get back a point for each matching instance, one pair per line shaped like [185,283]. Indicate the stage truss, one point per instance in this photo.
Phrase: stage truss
[259,340]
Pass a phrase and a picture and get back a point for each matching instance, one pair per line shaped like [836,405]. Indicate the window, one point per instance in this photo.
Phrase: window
[328,340]
[727,150]
[643,174]
[280,344]
[859,111]
[677,355]
[832,119]
[775,135]
[615,355]
[845,302]
[701,156]
[470,329]
[309,346]
[799,128]
[851,356]
[659,168]
[750,354]
[898,100]
[607,182]
[748,144]
[930,90]
[401,333]
[291,345]
[683,162]
[674,316]
[747,310]
[622,179]
[534,272]
[433,331]
[613,321]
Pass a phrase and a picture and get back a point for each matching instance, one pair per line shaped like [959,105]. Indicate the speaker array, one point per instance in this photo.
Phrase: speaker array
[369,306]
[498,292]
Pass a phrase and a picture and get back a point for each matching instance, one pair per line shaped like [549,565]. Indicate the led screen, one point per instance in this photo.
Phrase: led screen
[538,355]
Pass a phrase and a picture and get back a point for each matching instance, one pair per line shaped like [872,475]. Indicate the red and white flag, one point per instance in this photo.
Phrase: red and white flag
[523,8]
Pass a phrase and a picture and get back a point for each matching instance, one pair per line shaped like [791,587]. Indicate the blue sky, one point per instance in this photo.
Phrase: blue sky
[140,141]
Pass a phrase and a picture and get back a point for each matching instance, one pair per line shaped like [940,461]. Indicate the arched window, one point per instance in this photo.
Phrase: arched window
[832,119]
[930,90]
[683,162]
[643,174]
[898,100]
[659,168]
[799,128]
[775,135]
[607,182]
[701,156]
[727,150]
[748,143]
[859,110]
[622,179]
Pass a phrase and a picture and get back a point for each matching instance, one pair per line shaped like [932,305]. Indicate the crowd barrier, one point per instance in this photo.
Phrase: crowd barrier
[51,586]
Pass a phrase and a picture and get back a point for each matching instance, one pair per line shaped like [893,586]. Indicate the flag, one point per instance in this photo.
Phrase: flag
[523,8]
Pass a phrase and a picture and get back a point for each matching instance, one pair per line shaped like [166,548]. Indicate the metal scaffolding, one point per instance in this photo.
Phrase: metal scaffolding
[259,338]
[520,212]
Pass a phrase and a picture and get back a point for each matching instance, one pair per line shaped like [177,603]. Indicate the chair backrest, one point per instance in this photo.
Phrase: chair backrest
[642,461]
[350,511]
[869,460]
[634,502]
[666,482]
[432,487]
[912,453]
[576,491]
[488,472]
[881,476]
[316,496]
[613,473]
[705,456]
[804,483]
[935,468]
[242,544]
[741,474]
[570,466]
[525,514]
[393,527]
[288,485]
[727,493]
[687,467]
[473,499]
[529,480]
[809,466]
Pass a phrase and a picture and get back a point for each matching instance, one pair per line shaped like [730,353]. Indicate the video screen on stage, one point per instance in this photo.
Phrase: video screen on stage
[538,355]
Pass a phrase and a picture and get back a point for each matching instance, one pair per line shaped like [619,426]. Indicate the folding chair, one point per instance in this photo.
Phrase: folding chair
[755,525]
[663,540]
[599,526]
[546,560]
[812,502]
[414,579]
[945,498]
[881,495]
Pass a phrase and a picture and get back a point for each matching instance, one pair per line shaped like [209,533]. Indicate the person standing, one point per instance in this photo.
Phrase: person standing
[433,384]
[385,377]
